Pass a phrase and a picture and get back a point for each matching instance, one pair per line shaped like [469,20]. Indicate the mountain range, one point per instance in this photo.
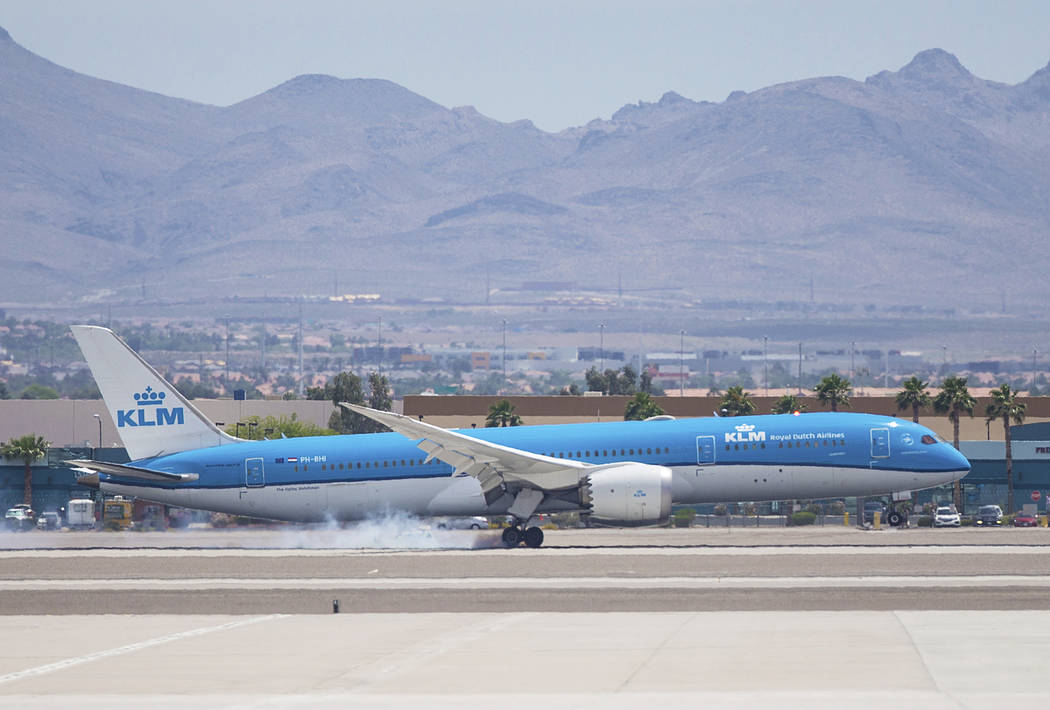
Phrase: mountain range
[925,186]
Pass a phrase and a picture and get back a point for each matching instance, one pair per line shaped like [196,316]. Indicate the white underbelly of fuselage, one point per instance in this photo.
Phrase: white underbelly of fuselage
[461,495]
[721,484]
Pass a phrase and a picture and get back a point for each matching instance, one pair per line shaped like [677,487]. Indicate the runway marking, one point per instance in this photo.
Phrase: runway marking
[405,660]
[121,650]
[702,551]
[561,583]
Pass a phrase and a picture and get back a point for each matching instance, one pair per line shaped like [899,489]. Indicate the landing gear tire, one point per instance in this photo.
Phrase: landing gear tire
[512,537]
[533,537]
[895,519]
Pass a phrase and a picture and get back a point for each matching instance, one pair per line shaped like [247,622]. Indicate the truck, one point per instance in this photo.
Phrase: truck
[116,513]
[80,513]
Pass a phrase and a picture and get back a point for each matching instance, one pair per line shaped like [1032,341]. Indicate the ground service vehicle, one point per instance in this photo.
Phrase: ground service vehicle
[80,513]
[116,513]
[18,518]
[48,521]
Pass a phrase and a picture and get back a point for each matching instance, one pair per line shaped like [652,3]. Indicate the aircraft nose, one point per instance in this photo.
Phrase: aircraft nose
[957,462]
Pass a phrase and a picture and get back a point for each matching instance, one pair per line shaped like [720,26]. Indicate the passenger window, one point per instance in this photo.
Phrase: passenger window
[587,453]
[631,452]
[305,467]
[736,447]
[727,447]
[368,464]
[297,468]
[359,464]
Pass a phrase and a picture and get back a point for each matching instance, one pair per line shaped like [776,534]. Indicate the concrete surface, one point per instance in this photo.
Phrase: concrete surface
[800,618]
[810,659]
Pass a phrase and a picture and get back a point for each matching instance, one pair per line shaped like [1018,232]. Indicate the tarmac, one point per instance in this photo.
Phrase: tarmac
[800,617]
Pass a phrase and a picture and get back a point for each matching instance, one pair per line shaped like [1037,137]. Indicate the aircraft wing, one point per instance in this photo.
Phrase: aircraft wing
[492,464]
[136,472]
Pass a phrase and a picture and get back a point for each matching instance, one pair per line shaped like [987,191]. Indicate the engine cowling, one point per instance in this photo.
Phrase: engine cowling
[629,494]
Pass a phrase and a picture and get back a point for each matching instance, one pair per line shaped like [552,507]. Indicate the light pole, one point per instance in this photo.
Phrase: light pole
[98,418]
[379,346]
[852,371]
[504,354]
[765,363]
[800,369]
[601,348]
[681,363]
[226,382]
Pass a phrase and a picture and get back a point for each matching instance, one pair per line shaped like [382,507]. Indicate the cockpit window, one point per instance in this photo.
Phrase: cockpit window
[927,439]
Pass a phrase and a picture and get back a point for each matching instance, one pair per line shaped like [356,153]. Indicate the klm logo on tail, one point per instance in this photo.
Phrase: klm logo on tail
[150,411]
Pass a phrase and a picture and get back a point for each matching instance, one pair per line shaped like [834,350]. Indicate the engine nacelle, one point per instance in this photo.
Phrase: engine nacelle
[629,494]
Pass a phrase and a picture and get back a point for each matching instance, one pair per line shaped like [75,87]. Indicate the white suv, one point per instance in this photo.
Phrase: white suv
[946,517]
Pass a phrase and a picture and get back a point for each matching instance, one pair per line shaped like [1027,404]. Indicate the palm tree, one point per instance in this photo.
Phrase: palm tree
[641,406]
[833,390]
[914,395]
[29,448]
[789,403]
[1006,406]
[736,402]
[501,413]
[955,399]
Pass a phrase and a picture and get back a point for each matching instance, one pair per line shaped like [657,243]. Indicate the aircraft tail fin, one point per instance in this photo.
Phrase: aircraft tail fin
[151,417]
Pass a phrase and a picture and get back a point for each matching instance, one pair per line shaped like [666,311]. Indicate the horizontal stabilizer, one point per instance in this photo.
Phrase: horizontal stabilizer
[124,471]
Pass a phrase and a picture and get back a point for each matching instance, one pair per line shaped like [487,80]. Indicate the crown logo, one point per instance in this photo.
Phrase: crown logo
[148,397]
[745,427]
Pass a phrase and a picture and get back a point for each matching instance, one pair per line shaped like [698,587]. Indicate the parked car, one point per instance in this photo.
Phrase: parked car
[1025,520]
[872,507]
[48,520]
[19,517]
[989,516]
[946,517]
[471,523]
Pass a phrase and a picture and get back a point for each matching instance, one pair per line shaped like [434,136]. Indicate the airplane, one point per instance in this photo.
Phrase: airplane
[622,473]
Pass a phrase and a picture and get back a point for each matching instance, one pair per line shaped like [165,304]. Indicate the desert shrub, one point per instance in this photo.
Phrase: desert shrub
[803,517]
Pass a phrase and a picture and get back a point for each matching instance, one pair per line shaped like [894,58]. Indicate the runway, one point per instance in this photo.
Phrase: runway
[799,617]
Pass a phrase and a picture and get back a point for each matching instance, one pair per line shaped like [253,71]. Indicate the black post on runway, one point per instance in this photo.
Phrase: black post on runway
[335,606]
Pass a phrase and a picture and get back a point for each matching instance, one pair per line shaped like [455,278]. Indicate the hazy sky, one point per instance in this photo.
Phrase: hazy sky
[560,63]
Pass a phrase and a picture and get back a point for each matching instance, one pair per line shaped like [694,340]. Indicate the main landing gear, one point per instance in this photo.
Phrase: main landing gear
[514,536]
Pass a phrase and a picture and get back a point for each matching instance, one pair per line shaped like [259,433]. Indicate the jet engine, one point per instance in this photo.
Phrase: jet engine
[628,494]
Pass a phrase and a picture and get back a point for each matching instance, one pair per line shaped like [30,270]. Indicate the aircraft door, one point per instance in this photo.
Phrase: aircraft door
[705,450]
[880,443]
[254,473]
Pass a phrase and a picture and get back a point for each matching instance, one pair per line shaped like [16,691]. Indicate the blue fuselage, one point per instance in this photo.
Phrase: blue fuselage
[770,457]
